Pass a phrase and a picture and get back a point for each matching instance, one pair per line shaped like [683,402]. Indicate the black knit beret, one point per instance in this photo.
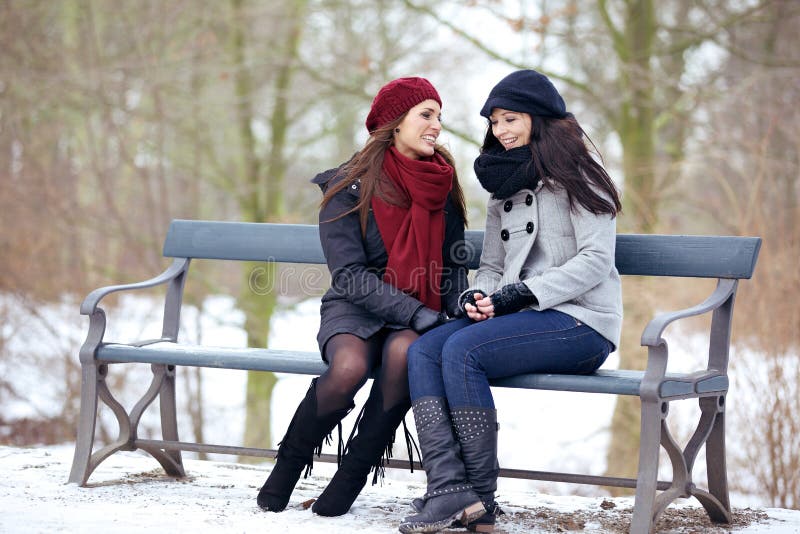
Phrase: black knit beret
[526,91]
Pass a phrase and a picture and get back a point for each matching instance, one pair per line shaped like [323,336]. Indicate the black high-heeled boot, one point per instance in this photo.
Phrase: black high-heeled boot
[375,434]
[296,450]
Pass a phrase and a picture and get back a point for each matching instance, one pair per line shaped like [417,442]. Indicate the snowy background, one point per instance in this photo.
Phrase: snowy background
[130,492]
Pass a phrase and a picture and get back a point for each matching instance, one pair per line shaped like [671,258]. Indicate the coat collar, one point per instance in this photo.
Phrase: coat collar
[327,178]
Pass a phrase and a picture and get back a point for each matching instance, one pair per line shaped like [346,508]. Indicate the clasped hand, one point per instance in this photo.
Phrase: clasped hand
[482,309]
[508,299]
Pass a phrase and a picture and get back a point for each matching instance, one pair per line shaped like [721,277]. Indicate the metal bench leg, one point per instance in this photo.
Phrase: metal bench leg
[170,460]
[709,431]
[649,447]
[85,462]
[86,424]
[163,387]
[715,501]
[94,387]
[681,470]
[92,374]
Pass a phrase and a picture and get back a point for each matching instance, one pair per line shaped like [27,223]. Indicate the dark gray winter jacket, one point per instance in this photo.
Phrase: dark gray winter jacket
[359,302]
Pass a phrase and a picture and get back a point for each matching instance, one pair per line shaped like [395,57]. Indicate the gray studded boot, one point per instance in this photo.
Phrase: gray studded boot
[476,429]
[449,496]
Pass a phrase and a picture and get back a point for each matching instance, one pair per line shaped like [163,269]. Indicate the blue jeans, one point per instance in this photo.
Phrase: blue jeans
[457,359]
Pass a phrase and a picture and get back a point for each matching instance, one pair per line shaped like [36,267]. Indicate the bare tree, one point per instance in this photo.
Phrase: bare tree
[745,179]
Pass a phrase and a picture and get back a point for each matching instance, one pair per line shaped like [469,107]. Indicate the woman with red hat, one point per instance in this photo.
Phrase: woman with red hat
[391,225]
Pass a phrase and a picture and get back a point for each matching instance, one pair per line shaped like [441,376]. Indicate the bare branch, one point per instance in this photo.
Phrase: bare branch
[572,82]
[714,32]
[616,36]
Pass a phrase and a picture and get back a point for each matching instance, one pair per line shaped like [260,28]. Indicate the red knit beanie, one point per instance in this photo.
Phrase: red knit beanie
[397,97]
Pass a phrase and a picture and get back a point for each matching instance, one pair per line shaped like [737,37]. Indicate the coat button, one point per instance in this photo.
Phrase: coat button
[507,206]
[529,227]
[529,200]
[504,235]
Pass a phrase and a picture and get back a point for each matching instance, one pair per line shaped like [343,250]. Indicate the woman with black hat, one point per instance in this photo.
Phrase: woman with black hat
[392,229]
[546,298]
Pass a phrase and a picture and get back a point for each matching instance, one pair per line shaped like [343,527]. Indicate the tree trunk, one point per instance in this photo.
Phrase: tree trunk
[262,200]
[637,129]
[258,307]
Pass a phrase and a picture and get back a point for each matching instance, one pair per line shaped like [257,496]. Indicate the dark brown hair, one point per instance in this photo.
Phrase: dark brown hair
[367,166]
[561,155]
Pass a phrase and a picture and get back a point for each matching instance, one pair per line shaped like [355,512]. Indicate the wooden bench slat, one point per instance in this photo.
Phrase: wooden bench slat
[604,381]
[687,255]
[619,382]
[636,254]
[222,240]
[248,359]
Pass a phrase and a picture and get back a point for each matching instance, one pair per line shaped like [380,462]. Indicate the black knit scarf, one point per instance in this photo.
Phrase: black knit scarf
[504,172]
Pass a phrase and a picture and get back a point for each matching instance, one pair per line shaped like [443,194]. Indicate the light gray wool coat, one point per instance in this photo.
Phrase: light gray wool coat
[564,255]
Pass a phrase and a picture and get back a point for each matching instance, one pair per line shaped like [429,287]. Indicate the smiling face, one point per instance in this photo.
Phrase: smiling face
[511,128]
[419,130]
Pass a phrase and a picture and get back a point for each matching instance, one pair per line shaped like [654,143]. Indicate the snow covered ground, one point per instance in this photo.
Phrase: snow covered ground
[129,493]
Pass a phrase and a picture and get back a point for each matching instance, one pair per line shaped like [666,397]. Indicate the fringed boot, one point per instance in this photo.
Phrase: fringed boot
[375,437]
[295,453]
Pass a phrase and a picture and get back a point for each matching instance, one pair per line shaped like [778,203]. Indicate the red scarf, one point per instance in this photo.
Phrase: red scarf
[413,235]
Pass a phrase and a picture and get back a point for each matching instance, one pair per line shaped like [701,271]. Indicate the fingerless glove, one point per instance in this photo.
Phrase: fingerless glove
[512,298]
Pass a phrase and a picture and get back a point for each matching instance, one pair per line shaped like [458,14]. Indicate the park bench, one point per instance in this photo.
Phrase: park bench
[728,259]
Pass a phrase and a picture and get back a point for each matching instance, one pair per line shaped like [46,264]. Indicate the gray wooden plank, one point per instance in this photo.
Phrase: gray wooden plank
[249,359]
[620,382]
[221,240]
[687,255]
[636,254]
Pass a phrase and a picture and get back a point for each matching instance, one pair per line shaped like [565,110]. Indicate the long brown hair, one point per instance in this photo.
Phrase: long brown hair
[367,166]
[561,155]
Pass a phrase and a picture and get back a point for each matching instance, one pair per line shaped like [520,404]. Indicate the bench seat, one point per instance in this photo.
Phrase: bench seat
[618,382]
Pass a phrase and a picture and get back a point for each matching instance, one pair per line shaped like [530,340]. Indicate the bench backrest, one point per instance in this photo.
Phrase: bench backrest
[636,254]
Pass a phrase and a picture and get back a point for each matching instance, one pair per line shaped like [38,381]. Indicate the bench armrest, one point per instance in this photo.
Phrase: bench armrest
[652,332]
[90,303]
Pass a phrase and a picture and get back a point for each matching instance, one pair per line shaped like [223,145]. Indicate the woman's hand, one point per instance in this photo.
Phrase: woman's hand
[511,298]
[425,319]
[482,309]
[508,299]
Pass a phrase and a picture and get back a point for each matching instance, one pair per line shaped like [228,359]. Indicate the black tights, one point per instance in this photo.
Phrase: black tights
[351,361]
